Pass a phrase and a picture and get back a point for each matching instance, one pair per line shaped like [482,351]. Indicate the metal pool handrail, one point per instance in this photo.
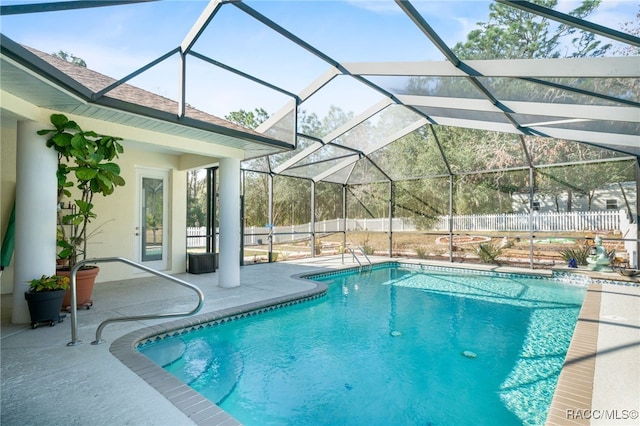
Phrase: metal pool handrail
[365,256]
[355,257]
[353,253]
[74,308]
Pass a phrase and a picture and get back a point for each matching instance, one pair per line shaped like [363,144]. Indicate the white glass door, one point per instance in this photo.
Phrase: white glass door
[152,228]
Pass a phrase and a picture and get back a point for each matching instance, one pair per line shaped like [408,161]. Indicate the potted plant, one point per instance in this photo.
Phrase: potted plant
[44,298]
[85,165]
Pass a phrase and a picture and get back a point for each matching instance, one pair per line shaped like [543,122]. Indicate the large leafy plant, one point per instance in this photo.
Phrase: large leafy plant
[88,157]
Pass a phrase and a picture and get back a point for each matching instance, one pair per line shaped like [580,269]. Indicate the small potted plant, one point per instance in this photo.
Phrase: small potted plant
[44,297]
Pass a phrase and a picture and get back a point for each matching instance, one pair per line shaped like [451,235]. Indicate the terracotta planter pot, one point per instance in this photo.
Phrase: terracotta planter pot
[85,279]
[45,306]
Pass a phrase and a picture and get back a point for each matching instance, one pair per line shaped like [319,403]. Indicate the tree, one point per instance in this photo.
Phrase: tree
[70,57]
[311,125]
[86,162]
[633,28]
[512,33]
[196,198]
[508,33]
[291,201]
[196,188]
[255,184]
[256,191]
[328,201]
[248,119]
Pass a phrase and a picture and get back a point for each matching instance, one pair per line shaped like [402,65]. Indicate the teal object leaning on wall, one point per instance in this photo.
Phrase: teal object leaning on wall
[9,240]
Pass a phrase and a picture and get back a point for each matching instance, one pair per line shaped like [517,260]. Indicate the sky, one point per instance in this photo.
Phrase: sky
[118,40]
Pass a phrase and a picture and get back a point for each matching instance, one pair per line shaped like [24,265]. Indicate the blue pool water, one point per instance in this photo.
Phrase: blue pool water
[396,345]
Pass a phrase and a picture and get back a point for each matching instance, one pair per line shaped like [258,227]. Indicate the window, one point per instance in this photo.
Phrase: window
[536,206]
[152,222]
[612,204]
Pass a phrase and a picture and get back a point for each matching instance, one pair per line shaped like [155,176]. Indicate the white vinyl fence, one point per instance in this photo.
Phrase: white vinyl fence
[608,220]
[197,237]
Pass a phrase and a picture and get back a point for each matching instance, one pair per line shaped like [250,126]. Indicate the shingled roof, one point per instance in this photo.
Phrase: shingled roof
[49,82]
[95,82]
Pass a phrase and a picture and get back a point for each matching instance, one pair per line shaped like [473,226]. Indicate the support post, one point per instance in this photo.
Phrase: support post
[270,210]
[636,261]
[531,186]
[391,200]
[214,216]
[450,218]
[229,222]
[344,221]
[313,219]
[211,245]
[36,213]
[243,180]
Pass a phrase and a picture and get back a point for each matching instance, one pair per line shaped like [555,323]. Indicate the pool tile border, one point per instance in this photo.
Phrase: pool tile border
[199,409]
[573,278]
[575,385]
[224,316]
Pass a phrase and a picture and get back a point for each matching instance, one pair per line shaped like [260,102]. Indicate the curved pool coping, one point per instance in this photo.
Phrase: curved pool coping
[195,406]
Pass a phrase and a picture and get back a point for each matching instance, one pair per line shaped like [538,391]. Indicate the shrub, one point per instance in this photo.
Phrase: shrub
[489,252]
[580,253]
[368,250]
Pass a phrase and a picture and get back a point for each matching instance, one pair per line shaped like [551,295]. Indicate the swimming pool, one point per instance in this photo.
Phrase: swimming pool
[388,347]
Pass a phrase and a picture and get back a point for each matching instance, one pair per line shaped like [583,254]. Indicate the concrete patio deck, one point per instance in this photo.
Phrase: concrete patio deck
[45,382]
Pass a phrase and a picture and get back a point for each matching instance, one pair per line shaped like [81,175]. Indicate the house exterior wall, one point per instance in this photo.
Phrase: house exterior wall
[115,214]
[8,145]
[580,203]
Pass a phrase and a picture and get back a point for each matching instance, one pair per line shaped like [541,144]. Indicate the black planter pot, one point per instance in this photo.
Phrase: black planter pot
[45,307]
